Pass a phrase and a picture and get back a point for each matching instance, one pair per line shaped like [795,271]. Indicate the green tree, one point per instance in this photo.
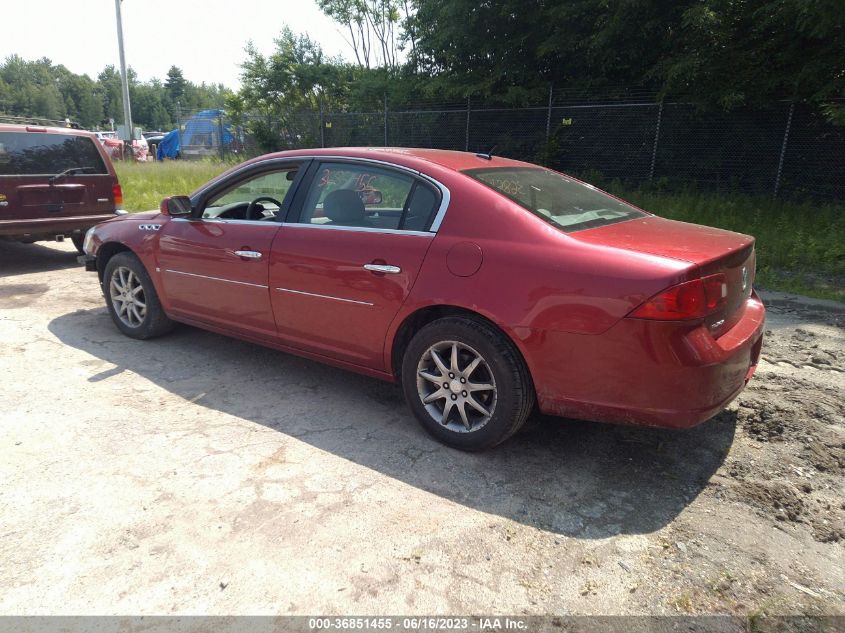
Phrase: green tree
[371,26]
[109,84]
[297,76]
[175,83]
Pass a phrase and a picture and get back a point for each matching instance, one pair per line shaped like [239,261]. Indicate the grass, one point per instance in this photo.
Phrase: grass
[145,184]
[800,246]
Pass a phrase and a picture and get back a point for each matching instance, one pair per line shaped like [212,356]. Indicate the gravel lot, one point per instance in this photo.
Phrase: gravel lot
[199,474]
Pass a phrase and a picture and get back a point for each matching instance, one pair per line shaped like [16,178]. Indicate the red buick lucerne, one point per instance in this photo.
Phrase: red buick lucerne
[483,284]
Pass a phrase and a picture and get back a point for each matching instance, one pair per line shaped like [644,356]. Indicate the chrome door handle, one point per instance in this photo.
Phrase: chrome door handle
[248,254]
[383,268]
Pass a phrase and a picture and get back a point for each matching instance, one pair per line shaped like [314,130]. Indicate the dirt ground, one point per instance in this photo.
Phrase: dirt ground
[199,474]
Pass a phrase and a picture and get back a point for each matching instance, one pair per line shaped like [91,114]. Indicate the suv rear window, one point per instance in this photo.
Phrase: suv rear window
[37,153]
[563,202]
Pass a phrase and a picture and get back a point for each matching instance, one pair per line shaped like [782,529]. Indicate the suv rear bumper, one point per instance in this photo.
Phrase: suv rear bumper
[46,228]
[89,261]
[652,373]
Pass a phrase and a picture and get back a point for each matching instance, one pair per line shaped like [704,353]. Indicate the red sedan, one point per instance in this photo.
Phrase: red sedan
[485,285]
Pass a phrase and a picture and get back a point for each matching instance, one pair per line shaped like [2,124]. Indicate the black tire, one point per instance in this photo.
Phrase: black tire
[78,240]
[154,321]
[513,396]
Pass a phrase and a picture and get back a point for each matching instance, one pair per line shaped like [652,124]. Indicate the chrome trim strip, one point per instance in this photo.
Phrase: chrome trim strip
[358,229]
[445,195]
[229,281]
[314,294]
[271,223]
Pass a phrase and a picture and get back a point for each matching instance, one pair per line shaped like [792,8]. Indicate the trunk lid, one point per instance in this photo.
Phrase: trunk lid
[709,249]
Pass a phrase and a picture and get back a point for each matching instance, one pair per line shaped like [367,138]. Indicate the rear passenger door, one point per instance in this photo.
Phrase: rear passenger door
[340,271]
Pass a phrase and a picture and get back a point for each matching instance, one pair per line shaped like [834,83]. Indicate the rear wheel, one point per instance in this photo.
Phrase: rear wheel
[466,383]
[132,300]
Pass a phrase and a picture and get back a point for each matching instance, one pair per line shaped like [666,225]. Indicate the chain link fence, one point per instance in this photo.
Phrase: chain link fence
[783,149]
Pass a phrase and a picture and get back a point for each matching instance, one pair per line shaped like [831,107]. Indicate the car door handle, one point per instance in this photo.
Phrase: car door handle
[383,268]
[248,254]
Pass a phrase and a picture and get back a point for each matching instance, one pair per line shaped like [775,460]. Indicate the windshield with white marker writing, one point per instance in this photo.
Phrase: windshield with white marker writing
[566,203]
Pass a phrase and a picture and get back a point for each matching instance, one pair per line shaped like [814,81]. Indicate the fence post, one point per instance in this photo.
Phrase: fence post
[656,139]
[466,144]
[179,125]
[322,126]
[783,149]
[220,129]
[385,119]
[549,115]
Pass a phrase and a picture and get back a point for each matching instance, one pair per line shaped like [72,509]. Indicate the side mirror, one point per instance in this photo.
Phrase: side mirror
[176,206]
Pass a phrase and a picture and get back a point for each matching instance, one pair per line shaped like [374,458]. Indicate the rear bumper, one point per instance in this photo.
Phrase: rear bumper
[47,228]
[652,373]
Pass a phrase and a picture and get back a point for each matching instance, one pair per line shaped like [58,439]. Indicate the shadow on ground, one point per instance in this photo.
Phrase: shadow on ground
[22,259]
[573,478]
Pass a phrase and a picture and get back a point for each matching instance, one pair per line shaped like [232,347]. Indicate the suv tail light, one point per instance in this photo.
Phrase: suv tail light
[117,193]
[694,299]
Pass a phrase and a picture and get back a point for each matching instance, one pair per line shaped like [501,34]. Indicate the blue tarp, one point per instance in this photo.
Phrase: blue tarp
[169,146]
[203,128]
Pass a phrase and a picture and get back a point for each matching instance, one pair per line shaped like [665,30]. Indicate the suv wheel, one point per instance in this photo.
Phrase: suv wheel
[466,383]
[78,241]
[132,300]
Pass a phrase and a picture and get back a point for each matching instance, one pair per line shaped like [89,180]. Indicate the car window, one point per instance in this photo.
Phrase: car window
[563,202]
[37,153]
[344,194]
[267,191]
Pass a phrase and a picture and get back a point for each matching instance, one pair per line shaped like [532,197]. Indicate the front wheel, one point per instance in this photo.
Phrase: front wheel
[466,383]
[131,298]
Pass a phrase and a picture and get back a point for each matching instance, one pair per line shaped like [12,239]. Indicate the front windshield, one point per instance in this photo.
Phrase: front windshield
[563,202]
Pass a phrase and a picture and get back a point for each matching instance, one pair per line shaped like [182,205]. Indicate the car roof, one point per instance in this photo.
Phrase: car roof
[409,157]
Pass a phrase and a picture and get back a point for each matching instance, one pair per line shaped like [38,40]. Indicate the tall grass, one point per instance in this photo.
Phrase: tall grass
[800,246]
[145,184]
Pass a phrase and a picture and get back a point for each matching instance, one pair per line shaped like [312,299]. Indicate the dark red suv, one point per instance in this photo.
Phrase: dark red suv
[54,183]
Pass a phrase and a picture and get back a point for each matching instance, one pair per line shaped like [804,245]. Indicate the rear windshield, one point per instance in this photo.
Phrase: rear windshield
[563,202]
[30,153]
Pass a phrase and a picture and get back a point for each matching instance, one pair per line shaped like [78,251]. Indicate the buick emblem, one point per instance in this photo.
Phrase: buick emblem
[744,278]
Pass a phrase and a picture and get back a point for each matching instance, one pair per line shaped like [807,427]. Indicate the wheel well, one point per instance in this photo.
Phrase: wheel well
[422,317]
[105,253]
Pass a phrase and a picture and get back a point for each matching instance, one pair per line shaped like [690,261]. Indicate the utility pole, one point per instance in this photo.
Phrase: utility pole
[127,109]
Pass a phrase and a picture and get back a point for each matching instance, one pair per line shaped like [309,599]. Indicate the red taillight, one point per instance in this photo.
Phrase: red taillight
[690,300]
[117,193]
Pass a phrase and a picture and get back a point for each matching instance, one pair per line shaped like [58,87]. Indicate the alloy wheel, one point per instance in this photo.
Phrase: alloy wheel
[127,297]
[456,386]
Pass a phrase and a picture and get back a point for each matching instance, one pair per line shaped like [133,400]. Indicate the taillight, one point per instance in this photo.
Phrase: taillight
[117,194]
[694,299]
